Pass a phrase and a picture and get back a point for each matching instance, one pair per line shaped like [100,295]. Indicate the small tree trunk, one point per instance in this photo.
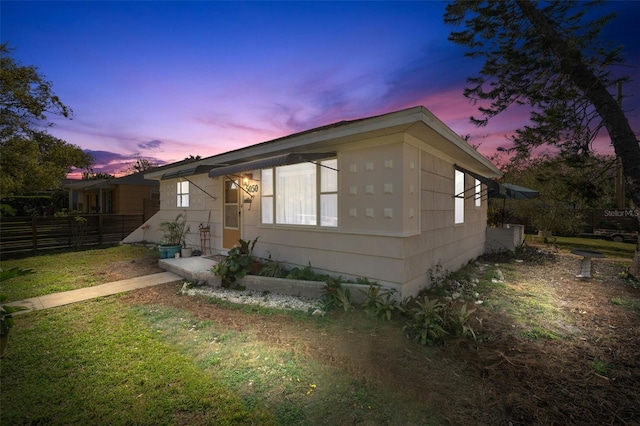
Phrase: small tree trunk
[634,271]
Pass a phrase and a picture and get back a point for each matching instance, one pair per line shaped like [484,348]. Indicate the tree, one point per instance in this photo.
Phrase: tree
[550,57]
[30,158]
[141,165]
[89,174]
[565,184]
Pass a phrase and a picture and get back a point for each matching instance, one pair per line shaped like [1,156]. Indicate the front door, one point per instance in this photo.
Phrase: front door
[231,226]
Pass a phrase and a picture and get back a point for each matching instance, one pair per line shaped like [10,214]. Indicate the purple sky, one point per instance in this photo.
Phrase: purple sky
[165,80]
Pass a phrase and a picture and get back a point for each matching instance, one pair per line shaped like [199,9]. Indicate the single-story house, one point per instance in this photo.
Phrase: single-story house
[385,198]
[130,195]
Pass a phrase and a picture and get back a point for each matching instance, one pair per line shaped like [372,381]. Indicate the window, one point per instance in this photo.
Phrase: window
[299,194]
[183,194]
[459,197]
[108,202]
[478,194]
[329,193]
[296,198]
[267,196]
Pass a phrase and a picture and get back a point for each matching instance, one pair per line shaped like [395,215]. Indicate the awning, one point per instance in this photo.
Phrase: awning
[266,163]
[509,190]
[492,185]
[203,168]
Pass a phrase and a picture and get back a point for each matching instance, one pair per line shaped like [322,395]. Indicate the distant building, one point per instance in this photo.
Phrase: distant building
[132,194]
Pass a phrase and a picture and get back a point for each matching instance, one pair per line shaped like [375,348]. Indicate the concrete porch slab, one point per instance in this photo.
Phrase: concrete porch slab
[196,268]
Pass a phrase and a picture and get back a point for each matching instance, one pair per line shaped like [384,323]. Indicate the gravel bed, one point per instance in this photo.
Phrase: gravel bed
[251,297]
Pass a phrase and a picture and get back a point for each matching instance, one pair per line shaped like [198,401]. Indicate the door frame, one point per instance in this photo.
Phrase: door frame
[231,207]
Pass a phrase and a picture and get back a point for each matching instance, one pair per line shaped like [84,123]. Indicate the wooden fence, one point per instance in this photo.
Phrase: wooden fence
[30,235]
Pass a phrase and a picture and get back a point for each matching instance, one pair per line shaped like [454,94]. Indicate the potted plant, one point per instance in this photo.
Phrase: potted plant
[175,232]
[237,264]
[6,319]
[186,251]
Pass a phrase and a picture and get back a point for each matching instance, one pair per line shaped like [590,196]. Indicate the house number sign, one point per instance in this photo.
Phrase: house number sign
[251,188]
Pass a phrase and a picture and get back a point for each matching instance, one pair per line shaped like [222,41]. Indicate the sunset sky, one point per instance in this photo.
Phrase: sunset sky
[164,80]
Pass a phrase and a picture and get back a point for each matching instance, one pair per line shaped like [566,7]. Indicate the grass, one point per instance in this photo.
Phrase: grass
[627,302]
[608,248]
[531,305]
[110,362]
[100,363]
[105,362]
[66,271]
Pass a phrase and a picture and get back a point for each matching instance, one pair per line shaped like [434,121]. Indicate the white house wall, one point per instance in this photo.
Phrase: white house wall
[396,219]
[395,213]
[200,203]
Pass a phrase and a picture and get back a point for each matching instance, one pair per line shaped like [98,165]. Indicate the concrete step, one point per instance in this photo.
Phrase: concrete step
[195,268]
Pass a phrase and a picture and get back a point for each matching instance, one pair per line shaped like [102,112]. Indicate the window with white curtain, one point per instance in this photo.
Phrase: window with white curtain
[183,194]
[458,197]
[329,192]
[478,194]
[296,198]
[301,194]
[267,196]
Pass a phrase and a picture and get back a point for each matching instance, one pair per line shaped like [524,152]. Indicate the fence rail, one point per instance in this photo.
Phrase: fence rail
[27,235]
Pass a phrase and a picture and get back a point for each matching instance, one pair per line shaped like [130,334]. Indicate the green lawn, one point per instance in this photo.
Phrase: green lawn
[608,248]
[66,271]
[106,361]
[113,361]
[103,363]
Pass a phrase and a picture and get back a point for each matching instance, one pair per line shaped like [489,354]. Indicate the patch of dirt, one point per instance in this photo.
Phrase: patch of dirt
[585,371]
[116,271]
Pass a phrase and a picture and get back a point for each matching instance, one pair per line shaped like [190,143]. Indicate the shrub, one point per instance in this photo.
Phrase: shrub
[335,295]
[426,321]
[175,230]
[307,274]
[273,269]
[237,263]
[457,321]
[379,302]
[430,320]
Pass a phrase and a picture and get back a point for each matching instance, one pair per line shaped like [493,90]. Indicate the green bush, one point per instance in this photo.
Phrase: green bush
[335,295]
[273,269]
[237,263]
[307,274]
[379,302]
[426,321]
[430,320]
[457,321]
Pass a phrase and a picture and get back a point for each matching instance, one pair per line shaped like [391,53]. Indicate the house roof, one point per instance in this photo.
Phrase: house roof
[417,121]
[88,185]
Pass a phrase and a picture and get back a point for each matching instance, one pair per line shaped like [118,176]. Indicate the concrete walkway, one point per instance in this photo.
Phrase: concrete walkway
[81,294]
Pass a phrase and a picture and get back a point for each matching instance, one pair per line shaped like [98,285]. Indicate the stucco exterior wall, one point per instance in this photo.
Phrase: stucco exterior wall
[396,216]
[395,207]
[204,206]
[442,242]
